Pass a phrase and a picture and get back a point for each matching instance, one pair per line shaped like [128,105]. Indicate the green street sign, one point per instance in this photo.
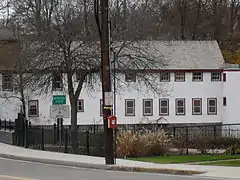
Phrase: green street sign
[59,99]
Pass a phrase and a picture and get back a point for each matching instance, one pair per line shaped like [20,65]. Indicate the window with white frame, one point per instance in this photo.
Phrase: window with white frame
[212,106]
[57,84]
[130,77]
[101,107]
[197,76]
[216,76]
[164,107]
[147,107]
[129,107]
[180,106]
[7,82]
[164,77]
[33,108]
[196,106]
[179,76]
[80,105]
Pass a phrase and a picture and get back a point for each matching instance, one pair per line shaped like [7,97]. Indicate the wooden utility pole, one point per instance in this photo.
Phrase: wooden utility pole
[107,87]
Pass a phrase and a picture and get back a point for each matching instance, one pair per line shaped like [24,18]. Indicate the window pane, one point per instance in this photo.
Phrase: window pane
[164,110]
[197,110]
[147,103]
[212,109]
[148,110]
[164,76]
[180,110]
[130,77]
[130,110]
[197,102]
[179,76]
[216,76]
[130,104]
[197,76]
[212,102]
[164,102]
[180,103]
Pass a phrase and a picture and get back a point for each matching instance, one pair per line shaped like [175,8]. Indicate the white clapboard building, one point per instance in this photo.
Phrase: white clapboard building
[197,88]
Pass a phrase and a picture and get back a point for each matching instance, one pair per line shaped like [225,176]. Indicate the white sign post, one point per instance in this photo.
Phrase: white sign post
[59,111]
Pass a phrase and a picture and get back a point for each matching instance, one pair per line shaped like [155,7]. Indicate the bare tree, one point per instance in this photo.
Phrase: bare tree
[19,73]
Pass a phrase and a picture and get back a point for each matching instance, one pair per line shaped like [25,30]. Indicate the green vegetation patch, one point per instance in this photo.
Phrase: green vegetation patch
[184,159]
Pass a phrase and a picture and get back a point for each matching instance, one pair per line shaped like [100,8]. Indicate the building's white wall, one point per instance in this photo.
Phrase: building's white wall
[188,90]
[231,92]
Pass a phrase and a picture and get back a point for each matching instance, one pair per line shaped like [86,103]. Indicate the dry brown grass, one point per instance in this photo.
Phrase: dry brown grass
[138,144]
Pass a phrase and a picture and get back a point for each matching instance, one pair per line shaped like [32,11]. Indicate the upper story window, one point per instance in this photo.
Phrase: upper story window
[179,76]
[80,105]
[130,77]
[163,107]
[197,76]
[147,107]
[224,77]
[212,106]
[180,106]
[33,108]
[164,77]
[216,76]
[57,84]
[130,107]
[7,82]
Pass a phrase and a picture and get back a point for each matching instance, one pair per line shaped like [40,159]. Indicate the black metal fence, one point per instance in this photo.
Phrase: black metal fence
[7,125]
[90,141]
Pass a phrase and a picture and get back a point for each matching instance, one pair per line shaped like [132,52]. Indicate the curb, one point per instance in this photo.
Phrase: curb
[156,170]
[101,166]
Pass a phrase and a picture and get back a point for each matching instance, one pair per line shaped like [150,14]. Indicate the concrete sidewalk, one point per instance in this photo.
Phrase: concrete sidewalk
[14,152]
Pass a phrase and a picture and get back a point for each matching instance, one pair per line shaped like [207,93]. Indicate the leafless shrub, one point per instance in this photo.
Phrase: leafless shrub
[135,144]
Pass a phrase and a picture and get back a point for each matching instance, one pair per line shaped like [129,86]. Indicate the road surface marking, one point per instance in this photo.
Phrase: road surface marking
[5,177]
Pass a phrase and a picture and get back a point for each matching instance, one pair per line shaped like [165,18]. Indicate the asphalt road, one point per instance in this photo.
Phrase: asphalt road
[20,170]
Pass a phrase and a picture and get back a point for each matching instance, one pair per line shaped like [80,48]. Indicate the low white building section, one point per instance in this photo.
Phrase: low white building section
[194,87]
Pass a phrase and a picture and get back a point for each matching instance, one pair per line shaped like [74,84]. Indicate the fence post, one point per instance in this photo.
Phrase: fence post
[174,132]
[214,132]
[54,133]
[87,143]
[187,140]
[5,124]
[26,133]
[58,127]
[0,124]
[66,141]
[9,125]
[42,139]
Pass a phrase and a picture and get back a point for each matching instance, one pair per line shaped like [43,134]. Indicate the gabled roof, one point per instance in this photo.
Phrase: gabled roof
[9,49]
[190,54]
[176,55]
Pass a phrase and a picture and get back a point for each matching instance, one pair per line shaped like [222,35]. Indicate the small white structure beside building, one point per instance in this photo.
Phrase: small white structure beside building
[197,88]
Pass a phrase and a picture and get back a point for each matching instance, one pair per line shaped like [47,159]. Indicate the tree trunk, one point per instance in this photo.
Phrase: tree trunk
[194,34]
[21,88]
[85,18]
[74,138]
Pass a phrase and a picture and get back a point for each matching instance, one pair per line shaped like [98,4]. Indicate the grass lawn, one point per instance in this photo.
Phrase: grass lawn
[185,159]
[223,163]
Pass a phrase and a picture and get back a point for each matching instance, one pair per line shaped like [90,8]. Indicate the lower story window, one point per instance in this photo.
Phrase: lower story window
[147,107]
[80,105]
[212,106]
[163,107]
[33,108]
[197,106]
[180,106]
[130,107]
